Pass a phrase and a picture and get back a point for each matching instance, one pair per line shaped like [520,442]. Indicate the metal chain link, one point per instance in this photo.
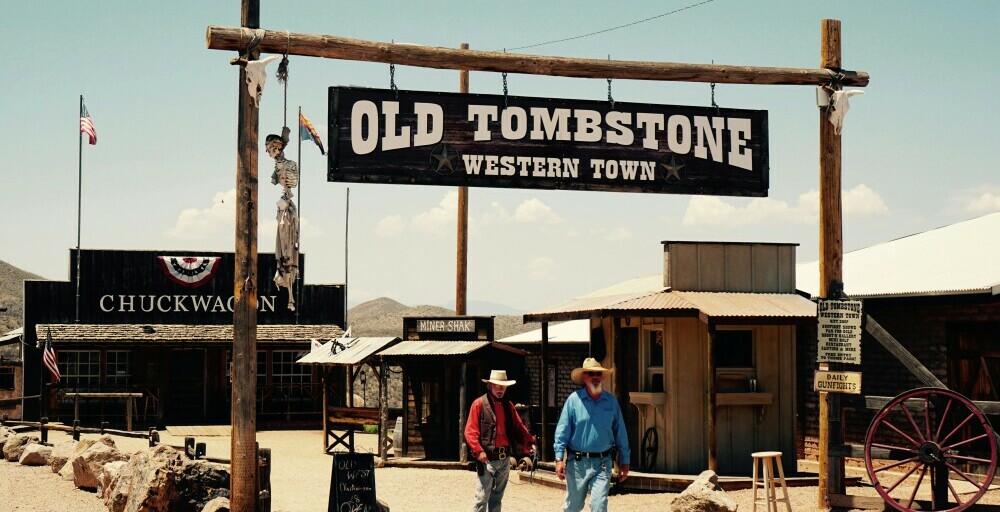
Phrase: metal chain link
[504,77]
[712,87]
[392,77]
[611,100]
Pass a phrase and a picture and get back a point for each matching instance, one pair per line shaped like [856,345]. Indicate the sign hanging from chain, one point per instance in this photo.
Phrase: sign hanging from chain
[839,331]
[426,138]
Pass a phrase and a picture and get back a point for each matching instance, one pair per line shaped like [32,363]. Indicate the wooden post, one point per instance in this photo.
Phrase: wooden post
[383,410]
[243,482]
[463,399]
[350,386]
[326,415]
[713,452]
[831,252]
[264,498]
[461,280]
[544,394]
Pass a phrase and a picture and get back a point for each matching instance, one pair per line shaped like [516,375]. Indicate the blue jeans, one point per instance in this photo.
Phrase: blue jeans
[587,474]
[492,484]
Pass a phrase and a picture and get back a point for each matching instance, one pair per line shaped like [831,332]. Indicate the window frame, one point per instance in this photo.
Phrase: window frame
[650,373]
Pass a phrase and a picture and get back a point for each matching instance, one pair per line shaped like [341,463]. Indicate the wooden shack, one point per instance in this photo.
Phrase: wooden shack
[443,360]
[704,358]
[10,374]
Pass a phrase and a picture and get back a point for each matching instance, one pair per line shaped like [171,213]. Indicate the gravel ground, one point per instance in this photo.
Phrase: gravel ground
[300,482]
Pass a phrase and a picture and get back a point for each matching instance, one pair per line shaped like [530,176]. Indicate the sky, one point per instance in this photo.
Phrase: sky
[918,147]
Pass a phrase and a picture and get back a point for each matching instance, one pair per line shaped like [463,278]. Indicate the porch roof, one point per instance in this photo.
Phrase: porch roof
[444,348]
[347,351]
[718,307]
[182,334]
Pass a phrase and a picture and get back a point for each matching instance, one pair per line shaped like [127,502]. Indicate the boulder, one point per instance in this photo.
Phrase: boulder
[200,482]
[35,455]
[79,447]
[109,478]
[89,465]
[15,445]
[4,434]
[148,483]
[61,454]
[217,505]
[704,495]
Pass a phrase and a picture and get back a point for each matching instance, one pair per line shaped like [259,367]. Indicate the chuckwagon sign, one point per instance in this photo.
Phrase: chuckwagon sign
[424,138]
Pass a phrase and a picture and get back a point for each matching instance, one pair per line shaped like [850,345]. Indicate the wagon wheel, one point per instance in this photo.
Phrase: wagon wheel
[930,436]
[650,447]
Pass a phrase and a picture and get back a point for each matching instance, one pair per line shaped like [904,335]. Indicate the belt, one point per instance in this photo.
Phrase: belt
[590,455]
[500,453]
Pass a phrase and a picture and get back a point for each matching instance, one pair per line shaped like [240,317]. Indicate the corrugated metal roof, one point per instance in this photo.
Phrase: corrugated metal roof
[645,284]
[442,348]
[170,333]
[585,305]
[573,331]
[707,304]
[957,259]
[347,351]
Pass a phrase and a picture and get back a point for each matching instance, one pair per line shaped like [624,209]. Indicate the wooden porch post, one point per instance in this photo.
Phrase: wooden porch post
[713,454]
[462,401]
[543,397]
[383,409]
[326,418]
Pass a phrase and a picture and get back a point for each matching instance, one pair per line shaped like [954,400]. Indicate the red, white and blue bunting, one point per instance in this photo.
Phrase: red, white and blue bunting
[189,271]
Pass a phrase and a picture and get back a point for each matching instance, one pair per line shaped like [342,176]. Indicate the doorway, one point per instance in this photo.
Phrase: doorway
[186,405]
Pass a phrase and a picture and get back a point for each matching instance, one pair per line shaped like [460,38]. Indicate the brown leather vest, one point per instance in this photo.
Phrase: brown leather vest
[488,425]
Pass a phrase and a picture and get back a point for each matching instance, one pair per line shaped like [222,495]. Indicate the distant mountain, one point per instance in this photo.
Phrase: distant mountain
[12,295]
[384,317]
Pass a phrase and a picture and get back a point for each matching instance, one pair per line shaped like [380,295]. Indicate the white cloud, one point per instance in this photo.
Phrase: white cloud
[541,268]
[534,210]
[862,201]
[390,225]
[206,223]
[978,200]
[859,201]
[441,219]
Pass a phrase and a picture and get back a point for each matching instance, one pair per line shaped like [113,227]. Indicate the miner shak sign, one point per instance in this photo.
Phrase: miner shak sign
[427,138]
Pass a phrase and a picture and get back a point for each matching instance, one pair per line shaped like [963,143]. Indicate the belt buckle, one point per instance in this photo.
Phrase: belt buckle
[501,453]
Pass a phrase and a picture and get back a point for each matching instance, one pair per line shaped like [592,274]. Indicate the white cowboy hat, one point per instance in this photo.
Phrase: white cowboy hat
[589,365]
[499,377]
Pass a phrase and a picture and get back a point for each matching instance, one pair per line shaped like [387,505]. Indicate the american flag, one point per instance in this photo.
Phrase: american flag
[86,125]
[49,359]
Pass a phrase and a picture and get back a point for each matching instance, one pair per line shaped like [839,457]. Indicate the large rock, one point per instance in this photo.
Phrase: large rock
[81,446]
[148,483]
[704,495]
[15,445]
[89,465]
[201,482]
[4,434]
[109,478]
[61,454]
[217,505]
[35,455]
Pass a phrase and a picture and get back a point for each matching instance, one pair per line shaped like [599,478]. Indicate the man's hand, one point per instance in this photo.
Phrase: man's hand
[622,472]
[561,470]
[481,457]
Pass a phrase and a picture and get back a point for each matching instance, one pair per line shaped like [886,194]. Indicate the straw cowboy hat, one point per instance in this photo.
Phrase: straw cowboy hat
[499,377]
[589,365]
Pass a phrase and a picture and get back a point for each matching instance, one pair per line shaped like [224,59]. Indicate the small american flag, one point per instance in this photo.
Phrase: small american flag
[86,125]
[49,359]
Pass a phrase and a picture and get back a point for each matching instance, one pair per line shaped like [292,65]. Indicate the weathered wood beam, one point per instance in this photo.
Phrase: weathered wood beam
[344,48]
[904,356]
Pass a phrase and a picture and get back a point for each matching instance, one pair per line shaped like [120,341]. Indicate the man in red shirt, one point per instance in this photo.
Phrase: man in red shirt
[495,434]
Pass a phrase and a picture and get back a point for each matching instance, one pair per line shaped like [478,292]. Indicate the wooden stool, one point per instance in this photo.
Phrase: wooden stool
[771,499]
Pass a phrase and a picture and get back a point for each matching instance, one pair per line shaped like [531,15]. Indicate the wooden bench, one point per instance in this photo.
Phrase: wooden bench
[348,420]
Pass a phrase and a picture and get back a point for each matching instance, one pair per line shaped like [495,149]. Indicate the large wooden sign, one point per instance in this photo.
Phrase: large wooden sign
[352,483]
[839,331]
[424,138]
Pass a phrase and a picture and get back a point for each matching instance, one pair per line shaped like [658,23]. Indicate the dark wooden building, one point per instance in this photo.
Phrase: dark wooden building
[159,323]
[10,373]
[443,360]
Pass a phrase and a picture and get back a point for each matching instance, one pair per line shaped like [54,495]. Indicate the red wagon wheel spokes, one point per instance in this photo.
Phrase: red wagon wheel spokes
[969,446]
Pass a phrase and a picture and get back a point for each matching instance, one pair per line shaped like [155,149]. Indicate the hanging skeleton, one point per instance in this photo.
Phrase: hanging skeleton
[286,174]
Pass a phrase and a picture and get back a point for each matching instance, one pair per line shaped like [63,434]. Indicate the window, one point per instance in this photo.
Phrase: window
[80,368]
[118,369]
[429,391]
[6,378]
[652,350]
[734,349]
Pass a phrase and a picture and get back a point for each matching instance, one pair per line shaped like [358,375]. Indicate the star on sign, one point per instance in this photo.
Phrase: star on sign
[444,159]
[673,168]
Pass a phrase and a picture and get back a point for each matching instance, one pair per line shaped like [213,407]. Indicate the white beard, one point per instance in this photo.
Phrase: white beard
[595,390]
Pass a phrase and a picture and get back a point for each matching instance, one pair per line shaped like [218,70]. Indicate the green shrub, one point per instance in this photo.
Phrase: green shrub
[371,429]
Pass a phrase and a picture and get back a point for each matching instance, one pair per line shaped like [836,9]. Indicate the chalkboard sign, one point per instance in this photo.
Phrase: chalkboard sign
[352,483]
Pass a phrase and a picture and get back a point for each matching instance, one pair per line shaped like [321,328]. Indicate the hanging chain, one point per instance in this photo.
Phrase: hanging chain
[283,77]
[611,100]
[504,77]
[392,77]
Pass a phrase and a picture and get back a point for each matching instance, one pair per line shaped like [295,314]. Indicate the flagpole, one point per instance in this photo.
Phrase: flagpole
[298,190]
[79,202]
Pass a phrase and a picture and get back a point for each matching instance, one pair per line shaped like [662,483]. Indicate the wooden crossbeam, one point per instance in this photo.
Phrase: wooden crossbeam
[344,48]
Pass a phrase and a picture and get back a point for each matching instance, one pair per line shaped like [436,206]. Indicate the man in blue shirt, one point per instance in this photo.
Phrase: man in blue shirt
[590,429]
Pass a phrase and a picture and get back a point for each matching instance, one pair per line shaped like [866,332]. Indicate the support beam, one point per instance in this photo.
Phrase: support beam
[713,449]
[543,394]
[463,453]
[336,47]
[462,263]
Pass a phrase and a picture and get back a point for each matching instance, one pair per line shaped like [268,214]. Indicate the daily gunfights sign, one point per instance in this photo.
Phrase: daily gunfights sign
[426,138]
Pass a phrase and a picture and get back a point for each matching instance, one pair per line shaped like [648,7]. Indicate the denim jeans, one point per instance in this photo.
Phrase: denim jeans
[492,483]
[587,474]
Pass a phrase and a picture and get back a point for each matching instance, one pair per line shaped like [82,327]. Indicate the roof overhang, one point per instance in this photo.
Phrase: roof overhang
[142,334]
[347,351]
